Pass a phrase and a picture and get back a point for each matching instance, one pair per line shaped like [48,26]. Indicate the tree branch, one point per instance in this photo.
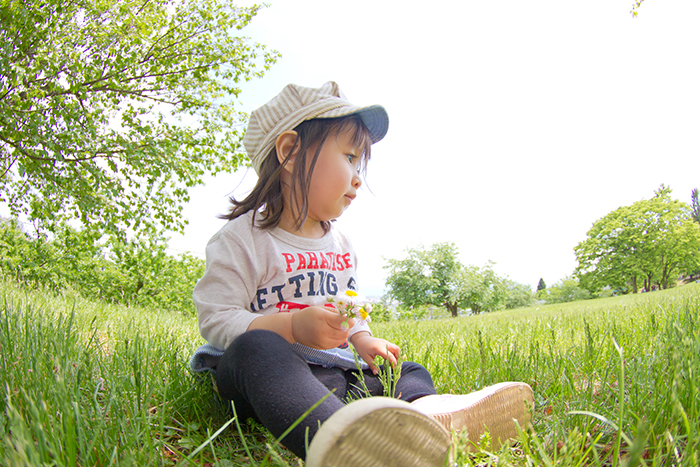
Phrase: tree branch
[9,166]
[98,154]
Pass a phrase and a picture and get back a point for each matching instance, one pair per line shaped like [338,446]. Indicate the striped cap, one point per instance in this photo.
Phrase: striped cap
[296,104]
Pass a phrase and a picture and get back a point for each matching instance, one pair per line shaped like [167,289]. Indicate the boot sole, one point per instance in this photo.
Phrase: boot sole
[498,409]
[379,432]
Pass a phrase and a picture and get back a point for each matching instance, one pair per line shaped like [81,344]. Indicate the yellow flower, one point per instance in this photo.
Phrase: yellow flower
[351,293]
[363,313]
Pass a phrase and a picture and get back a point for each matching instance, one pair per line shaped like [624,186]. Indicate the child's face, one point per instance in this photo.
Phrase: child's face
[335,179]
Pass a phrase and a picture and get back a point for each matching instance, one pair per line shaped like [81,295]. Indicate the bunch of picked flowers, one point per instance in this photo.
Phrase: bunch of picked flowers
[352,306]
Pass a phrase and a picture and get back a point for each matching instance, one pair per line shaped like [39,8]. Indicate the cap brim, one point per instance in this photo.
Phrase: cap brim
[376,120]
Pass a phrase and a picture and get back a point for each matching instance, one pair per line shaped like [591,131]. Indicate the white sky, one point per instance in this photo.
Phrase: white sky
[514,125]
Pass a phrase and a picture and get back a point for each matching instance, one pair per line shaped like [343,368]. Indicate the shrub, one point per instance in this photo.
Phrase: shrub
[567,290]
[133,272]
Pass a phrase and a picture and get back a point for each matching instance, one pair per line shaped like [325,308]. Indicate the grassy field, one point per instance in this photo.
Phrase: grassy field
[90,384]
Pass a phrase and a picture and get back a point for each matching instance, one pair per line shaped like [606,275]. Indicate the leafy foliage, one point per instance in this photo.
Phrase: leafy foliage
[111,109]
[695,206]
[566,290]
[436,277]
[635,6]
[479,289]
[425,277]
[541,292]
[381,313]
[648,243]
[517,295]
[134,272]
[541,285]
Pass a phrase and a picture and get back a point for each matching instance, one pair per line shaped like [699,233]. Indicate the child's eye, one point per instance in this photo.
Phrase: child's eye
[355,161]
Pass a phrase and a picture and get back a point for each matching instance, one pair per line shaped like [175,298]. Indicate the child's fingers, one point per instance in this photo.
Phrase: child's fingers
[351,322]
[373,367]
[319,328]
[394,351]
[337,321]
[392,357]
[370,362]
[389,352]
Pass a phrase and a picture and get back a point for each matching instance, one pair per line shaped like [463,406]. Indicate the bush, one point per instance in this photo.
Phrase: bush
[567,290]
[381,313]
[133,272]
[33,261]
[518,295]
[413,312]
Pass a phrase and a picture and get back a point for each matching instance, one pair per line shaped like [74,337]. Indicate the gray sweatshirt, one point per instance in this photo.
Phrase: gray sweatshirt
[252,272]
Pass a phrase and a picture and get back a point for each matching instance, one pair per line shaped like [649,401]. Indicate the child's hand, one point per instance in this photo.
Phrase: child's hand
[320,327]
[369,347]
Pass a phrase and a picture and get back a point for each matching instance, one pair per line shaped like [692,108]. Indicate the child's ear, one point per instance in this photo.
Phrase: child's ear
[284,145]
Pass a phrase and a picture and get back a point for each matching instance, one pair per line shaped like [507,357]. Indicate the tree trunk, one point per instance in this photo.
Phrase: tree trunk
[634,284]
[453,309]
[664,278]
[647,282]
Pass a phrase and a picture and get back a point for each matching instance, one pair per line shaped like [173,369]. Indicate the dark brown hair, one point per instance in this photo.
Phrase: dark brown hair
[267,198]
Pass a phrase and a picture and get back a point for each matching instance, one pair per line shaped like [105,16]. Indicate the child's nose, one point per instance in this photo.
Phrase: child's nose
[356,181]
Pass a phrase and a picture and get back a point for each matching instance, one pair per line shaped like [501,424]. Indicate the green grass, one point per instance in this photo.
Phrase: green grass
[615,380]
[632,361]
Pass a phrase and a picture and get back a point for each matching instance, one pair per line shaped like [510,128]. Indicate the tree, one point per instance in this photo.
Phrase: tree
[695,205]
[479,289]
[425,277]
[541,285]
[645,244]
[436,277]
[111,109]
[567,290]
[541,292]
[517,295]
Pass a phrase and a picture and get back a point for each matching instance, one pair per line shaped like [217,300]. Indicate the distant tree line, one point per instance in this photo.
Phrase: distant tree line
[648,245]
[435,276]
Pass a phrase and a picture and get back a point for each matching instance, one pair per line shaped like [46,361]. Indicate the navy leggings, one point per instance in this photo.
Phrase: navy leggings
[271,383]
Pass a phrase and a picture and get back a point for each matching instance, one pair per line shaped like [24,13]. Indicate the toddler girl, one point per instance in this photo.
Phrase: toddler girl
[277,346]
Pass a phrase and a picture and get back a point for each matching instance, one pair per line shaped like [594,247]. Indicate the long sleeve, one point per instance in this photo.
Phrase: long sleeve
[224,294]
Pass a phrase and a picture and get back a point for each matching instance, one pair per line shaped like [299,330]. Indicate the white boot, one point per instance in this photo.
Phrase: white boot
[379,432]
[496,409]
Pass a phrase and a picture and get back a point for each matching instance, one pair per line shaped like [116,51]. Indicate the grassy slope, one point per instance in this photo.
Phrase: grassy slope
[92,384]
[574,355]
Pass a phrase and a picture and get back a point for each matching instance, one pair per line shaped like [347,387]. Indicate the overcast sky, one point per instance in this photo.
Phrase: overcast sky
[514,125]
